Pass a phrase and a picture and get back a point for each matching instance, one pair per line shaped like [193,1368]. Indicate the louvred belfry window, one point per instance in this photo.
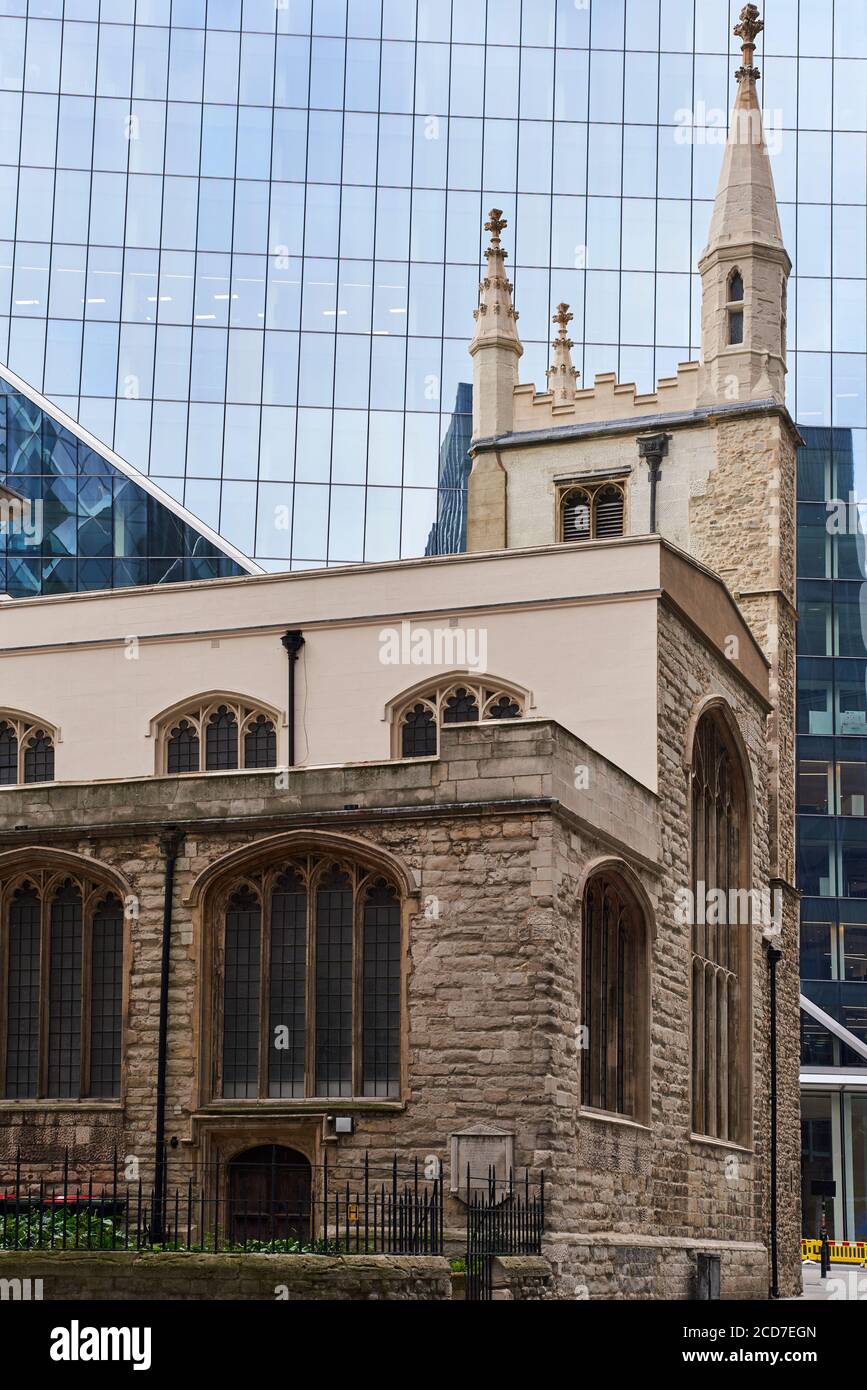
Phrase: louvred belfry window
[217,735]
[26,750]
[309,983]
[591,512]
[61,958]
[452,702]
[576,508]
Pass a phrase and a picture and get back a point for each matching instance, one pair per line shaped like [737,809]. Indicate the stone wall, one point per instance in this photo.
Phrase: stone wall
[521,1278]
[497,837]
[119,1276]
[652,1268]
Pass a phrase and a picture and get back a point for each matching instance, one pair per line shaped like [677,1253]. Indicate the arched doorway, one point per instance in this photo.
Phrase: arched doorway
[269,1195]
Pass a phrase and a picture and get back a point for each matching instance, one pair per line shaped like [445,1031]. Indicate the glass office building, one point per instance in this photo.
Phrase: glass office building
[240,241]
[74,516]
[832,832]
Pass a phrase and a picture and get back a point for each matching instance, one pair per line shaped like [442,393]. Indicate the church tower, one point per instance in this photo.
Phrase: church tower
[745,266]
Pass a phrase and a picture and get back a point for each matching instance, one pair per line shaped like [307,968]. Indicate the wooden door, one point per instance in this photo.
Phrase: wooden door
[269,1195]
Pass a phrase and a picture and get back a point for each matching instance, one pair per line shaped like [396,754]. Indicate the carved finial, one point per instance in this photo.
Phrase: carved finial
[562,375]
[495,226]
[563,318]
[747,31]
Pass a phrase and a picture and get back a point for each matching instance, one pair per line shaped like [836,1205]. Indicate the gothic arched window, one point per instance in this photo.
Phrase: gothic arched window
[260,743]
[310,986]
[735,308]
[60,1001]
[183,748]
[216,735]
[720,935]
[575,511]
[465,702]
[419,733]
[26,750]
[221,740]
[613,999]
[461,707]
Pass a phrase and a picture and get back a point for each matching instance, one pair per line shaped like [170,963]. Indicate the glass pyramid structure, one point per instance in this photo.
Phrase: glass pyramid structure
[75,516]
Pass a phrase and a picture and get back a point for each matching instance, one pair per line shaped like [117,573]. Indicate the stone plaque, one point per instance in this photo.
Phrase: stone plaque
[481,1149]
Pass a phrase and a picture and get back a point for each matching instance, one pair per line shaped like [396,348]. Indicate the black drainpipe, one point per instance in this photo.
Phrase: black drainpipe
[171,839]
[654,448]
[293,641]
[774,955]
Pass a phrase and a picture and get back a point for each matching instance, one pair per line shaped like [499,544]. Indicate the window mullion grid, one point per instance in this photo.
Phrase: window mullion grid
[310,990]
[88,907]
[357,1082]
[21,733]
[5,908]
[266,1041]
[44,985]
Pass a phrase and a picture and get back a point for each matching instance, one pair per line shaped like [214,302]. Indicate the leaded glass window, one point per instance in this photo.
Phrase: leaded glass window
[461,707]
[287,987]
[8,754]
[612,998]
[381,991]
[260,743]
[22,995]
[106,995]
[417,722]
[309,983]
[216,735]
[183,748]
[334,985]
[62,997]
[39,758]
[221,745]
[64,992]
[26,750]
[241,995]
[720,939]
[503,707]
[419,736]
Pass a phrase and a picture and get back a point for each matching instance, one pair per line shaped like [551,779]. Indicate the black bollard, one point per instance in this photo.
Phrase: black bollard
[825,1248]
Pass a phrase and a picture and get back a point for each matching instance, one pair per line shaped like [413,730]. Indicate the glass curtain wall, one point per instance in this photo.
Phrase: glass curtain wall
[240,242]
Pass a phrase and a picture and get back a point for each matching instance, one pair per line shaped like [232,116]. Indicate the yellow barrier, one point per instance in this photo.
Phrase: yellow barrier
[841,1251]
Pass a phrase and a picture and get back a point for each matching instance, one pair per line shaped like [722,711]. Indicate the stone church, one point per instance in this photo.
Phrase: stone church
[486,839]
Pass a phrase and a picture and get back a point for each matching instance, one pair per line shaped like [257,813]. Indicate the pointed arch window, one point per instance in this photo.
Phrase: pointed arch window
[221,740]
[26,750]
[61,972]
[720,936]
[576,515]
[464,702]
[310,985]
[735,308]
[613,999]
[216,735]
[593,511]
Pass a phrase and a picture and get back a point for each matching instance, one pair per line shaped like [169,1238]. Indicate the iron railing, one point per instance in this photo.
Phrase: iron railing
[280,1208]
[504,1217]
